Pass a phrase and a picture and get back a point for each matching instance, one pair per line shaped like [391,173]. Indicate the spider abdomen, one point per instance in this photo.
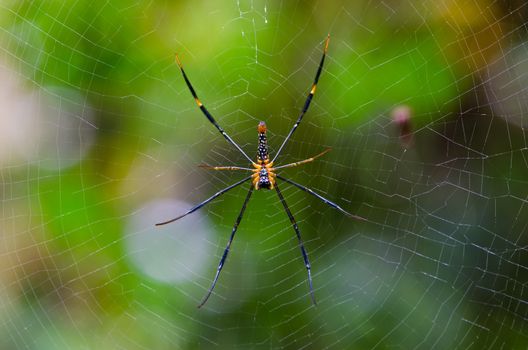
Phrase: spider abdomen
[263,176]
[262,151]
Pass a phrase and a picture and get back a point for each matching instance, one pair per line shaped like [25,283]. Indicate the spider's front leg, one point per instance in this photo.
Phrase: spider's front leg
[228,247]
[300,240]
[198,206]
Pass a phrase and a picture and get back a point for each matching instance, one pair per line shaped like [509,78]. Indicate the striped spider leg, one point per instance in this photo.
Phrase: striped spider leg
[263,177]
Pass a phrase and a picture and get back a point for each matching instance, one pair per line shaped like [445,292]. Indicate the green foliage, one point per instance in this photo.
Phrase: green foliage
[86,288]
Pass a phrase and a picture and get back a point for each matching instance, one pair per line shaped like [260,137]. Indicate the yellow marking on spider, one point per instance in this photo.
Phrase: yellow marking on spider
[198,102]
[177,59]
[255,180]
[314,87]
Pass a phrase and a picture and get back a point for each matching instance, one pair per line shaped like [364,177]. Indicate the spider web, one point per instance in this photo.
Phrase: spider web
[423,105]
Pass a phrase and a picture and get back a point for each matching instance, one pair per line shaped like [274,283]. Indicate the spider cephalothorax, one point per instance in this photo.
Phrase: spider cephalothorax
[263,175]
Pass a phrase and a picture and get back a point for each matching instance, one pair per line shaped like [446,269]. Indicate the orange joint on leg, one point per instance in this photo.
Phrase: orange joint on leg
[314,86]
[177,59]
[198,102]
[326,43]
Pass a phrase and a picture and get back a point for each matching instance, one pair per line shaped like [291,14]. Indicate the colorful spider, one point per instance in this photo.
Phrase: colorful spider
[264,176]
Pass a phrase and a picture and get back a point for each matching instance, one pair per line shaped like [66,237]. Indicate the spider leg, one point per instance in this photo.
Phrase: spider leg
[212,167]
[206,112]
[304,161]
[198,206]
[326,201]
[308,99]
[226,250]
[301,244]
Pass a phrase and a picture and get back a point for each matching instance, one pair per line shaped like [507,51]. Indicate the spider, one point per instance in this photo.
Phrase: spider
[264,176]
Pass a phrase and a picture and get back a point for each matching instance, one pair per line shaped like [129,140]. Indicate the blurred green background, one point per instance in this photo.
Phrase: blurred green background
[424,105]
